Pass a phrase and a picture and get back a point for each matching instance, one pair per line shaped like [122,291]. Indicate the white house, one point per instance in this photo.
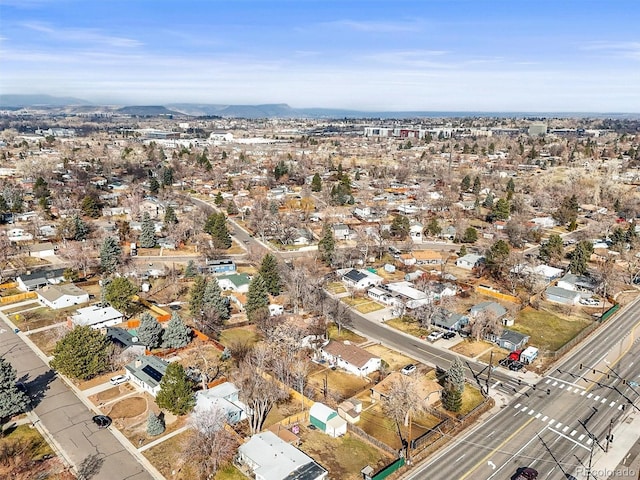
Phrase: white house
[42,250]
[223,397]
[342,232]
[236,282]
[361,279]
[269,457]
[412,297]
[96,317]
[32,281]
[351,358]
[61,296]
[415,231]
[19,235]
[147,371]
[469,261]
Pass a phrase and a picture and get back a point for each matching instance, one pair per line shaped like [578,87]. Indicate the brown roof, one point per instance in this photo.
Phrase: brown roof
[349,353]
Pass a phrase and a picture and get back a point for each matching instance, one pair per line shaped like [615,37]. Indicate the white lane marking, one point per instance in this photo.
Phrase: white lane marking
[573,433]
[583,392]
[548,381]
[551,421]
[619,407]
[569,438]
[460,457]
[531,412]
[558,425]
[554,384]
[564,430]
[590,441]
[597,397]
[603,400]
[581,437]
[517,405]
[544,419]
[612,404]
[561,386]
[538,415]
[590,395]
[524,409]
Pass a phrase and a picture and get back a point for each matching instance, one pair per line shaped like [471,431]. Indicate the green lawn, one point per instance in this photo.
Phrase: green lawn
[548,331]
[229,473]
[345,334]
[233,336]
[37,445]
[408,325]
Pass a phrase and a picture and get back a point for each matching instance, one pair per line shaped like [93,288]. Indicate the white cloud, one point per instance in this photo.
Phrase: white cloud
[81,36]
[376,27]
[621,49]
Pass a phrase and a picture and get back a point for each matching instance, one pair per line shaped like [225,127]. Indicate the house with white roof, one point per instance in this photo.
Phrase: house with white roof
[469,261]
[225,398]
[269,457]
[95,317]
[61,296]
[361,279]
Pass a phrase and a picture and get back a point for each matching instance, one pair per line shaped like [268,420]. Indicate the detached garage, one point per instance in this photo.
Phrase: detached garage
[327,420]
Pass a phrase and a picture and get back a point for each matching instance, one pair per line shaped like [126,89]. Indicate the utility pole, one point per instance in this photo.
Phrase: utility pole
[606,448]
[490,370]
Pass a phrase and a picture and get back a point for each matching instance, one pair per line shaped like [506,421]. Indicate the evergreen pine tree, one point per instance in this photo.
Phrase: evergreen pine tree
[269,272]
[83,353]
[451,397]
[216,226]
[170,217]
[257,298]
[218,200]
[167,176]
[149,331]
[196,296]
[190,270]
[148,234]
[12,400]
[214,302]
[177,334]
[80,229]
[326,245]
[110,255]
[155,424]
[477,186]
[176,390]
[154,186]
[316,183]
[455,374]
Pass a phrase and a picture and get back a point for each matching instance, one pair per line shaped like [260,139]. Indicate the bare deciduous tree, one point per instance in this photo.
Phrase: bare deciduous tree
[401,401]
[485,323]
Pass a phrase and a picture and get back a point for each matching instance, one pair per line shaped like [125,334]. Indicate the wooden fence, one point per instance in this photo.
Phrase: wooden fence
[372,440]
[8,285]
[495,294]
[18,297]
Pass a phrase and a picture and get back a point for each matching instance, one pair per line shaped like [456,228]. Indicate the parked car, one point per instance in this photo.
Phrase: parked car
[448,335]
[117,380]
[433,336]
[505,362]
[102,421]
[408,369]
[589,301]
[516,366]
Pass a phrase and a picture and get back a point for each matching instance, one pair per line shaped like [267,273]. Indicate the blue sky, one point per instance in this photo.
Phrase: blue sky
[464,55]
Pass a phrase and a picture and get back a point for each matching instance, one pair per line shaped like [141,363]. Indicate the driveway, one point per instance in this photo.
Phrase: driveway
[95,452]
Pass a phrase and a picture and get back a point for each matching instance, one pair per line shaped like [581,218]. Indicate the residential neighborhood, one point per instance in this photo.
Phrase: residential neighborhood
[320,299]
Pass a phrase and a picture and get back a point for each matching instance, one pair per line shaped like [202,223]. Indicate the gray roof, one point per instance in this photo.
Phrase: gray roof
[148,369]
[354,275]
[41,277]
[561,293]
[52,293]
[122,337]
[446,318]
[494,307]
[513,337]
[277,460]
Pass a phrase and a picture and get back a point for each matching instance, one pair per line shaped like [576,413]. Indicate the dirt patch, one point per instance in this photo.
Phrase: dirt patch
[167,457]
[47,339]
[408,325]
[128,408]
[472,348]
[394,359]
[343,457]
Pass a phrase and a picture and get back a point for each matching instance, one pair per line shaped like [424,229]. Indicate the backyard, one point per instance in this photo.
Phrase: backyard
[340,384]
[549,331]
[362,304]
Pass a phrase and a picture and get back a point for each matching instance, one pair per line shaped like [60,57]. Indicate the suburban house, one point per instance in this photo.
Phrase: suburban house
[271,458]
[381,295]
[223,397]
[235,282]
[302,237]
[428,257]
[546,273]
[509,340]
[42,278]
[411,296]
[95,317]
[438,290]
[488,308]
[448,320]
[407,259]
[361,279]
[218,266]
[469,261]
[351,358]
[61,296]
[275,309]
[146,371]
[327,420]
[342,232]
[561,295]
[19,235]
[415,231]
[42,250]
[574,282]
[125,340]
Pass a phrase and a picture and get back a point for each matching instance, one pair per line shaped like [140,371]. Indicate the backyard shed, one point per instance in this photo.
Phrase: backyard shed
[327,420]
[528,355]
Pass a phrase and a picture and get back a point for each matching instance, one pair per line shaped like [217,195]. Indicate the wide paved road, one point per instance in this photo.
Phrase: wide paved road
[555,427]
[66,418]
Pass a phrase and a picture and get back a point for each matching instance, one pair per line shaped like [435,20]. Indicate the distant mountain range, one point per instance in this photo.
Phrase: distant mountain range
[277,110]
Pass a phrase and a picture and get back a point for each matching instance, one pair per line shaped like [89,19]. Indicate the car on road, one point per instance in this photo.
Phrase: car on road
[448,335]
[526,474]
[102,421]
[117,380]
[433,336]
[408,369]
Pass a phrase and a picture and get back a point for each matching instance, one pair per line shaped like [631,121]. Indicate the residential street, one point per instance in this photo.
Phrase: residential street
[66,418]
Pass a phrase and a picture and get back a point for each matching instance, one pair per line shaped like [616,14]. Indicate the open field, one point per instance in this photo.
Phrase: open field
[548,331]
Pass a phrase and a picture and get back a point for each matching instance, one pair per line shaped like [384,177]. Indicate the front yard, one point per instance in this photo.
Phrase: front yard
[362,304]
[408,325]
[394,359]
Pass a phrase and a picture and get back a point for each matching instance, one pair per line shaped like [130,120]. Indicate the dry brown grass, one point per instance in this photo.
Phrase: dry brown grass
[128,408]
[471,348]
[394,359]
[340,384]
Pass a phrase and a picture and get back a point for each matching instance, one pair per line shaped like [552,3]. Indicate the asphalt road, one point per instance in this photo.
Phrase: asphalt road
[66,418]
[553,432]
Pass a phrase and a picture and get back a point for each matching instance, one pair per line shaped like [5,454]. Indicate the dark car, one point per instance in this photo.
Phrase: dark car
[102,421]
[516,366]
[448,335]
[505,362]
[526,474]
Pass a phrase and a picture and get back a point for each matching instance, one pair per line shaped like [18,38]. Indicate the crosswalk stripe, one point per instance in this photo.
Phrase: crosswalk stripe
[590,395]
[620,407]
[564,430]
[524,409]
[554,384]
[581,437]
[551,421]
[538,415]
[548,381]
[597,397]
[573,432]
[576,390]
[590,441]
[531,411]
[603,400]
[544,419]
[559,424]
[582,393]
[561,386]
[517,405]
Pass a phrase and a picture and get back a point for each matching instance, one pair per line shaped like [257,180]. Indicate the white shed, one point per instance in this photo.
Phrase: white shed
[327,420]
[528,355]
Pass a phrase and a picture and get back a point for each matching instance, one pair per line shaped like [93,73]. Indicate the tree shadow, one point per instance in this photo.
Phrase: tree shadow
[90,466]
[38,386]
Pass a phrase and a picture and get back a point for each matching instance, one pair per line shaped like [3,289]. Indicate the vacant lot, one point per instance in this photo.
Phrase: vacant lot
[363,305]
[408,325]
[343,457]
[472,348]
[47,339]
[380,426]
[548,331]
[394,359]
[340,384]
[41,317]
[234,336]
[345,334]
[167,457]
